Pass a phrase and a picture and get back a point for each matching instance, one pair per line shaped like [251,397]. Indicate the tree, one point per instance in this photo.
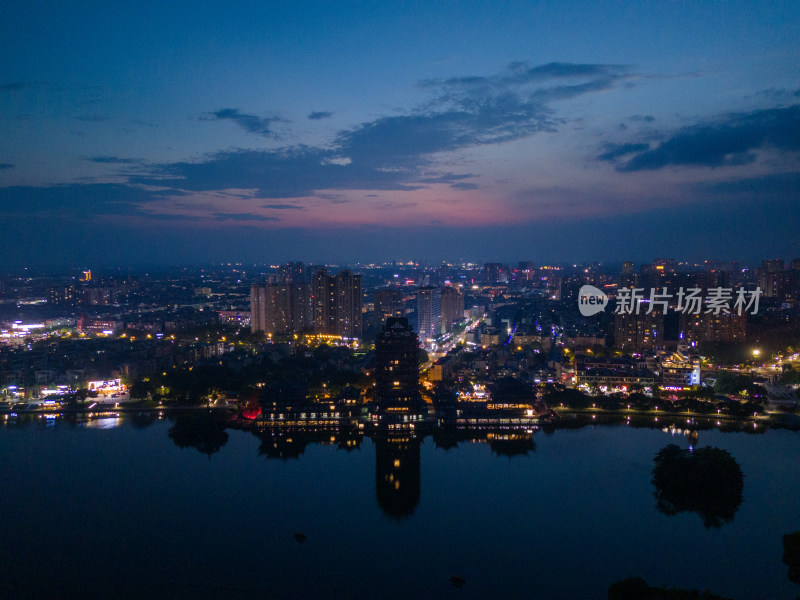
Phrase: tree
[707,481]
[790,377]
[791,555]
[203,431]
[636,588]
[733,383]
[140,389]
[640,401]
[571,398]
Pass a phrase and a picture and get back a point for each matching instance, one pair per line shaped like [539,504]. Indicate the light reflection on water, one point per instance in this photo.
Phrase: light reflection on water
[103,422]
[170,507]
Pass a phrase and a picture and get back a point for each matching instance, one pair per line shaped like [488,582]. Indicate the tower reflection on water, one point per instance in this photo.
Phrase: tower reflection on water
[397,473]
[397,461]
[397,454]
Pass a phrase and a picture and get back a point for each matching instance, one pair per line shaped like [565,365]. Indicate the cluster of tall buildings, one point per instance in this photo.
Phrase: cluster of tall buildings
[96,293]
[639,331]
[709,327]
[290,303]
[646,331]
[438,308]
[777,281]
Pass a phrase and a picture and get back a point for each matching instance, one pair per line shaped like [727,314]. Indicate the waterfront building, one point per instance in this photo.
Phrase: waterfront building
[680,370]
[397,392]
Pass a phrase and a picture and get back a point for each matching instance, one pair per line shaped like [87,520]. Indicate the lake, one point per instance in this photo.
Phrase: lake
[148,507]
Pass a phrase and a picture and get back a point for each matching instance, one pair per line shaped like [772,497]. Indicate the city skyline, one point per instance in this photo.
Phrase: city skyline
[196,133]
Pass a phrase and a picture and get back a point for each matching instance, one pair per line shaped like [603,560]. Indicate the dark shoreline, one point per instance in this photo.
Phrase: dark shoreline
[561,417]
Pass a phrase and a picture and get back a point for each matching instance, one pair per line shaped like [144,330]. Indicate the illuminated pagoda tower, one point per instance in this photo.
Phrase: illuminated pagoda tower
[397,395]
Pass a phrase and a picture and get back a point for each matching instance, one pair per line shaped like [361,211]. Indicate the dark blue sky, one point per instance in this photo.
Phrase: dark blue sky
[135,133]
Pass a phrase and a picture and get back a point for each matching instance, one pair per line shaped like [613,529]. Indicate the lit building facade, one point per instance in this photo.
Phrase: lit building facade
[328,305]
[258,308]
[639,332]
[337,304]
[324,302]
[348,301]
[388,303]
[397,393]
[429,313]
[708,327]
[452,307]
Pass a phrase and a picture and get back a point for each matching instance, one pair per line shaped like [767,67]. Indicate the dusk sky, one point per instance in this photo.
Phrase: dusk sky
[138,133]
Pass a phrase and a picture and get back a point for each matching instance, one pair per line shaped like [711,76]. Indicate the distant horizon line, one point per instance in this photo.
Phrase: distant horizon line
[416,263]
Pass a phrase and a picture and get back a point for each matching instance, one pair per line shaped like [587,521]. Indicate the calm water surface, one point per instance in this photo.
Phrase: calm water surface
[124,512]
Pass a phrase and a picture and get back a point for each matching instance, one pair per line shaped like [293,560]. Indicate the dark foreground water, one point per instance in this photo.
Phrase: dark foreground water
[125,512]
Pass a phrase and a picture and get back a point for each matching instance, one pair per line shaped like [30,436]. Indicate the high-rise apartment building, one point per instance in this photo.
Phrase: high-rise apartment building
[452,307]
[279,315]
[495,273]
[708,327]
[627,268]
[258,308]
[639,332]
[388,303]
[429,313]
[280,308]
[779,283]
[661,273]
[291,272]
[301,306]
[323,289]
[337,303]
[347,290]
